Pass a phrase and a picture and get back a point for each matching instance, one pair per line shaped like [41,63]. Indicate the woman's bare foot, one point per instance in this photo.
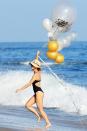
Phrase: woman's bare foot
[48,125]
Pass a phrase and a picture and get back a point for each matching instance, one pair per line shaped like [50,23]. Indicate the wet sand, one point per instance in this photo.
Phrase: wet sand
[30,129]
[8,129]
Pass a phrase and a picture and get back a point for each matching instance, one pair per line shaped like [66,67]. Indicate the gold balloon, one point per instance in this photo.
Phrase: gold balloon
[52,46]
[51,55]
[59,58]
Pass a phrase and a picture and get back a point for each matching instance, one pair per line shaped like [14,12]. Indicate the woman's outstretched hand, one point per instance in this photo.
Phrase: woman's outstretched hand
[18,90]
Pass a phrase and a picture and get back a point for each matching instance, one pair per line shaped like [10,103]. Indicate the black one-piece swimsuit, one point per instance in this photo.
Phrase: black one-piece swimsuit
[36,88]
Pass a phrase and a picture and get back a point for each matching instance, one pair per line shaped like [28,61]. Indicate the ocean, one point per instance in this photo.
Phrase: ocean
[65,99]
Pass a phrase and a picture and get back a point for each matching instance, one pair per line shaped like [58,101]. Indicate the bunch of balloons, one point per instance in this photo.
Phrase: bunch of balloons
[62,20]
[52,52]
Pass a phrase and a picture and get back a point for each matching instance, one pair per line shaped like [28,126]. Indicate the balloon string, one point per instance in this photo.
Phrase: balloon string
[71,94]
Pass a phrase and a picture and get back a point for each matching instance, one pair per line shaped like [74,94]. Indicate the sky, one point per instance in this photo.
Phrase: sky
[21,20]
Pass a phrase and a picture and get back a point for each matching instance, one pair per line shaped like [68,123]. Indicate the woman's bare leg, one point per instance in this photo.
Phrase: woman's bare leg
[29,104]
[39,102]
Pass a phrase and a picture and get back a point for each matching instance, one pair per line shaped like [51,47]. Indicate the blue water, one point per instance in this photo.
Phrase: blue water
[13,57]
[74,68]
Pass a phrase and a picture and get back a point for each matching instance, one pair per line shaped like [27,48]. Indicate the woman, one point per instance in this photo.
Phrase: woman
[38,92]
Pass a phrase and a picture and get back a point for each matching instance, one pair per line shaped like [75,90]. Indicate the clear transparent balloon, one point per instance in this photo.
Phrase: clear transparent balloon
[64,12]
[63,18]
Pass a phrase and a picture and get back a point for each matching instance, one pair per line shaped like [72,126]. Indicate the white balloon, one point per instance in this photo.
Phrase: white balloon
[50,35]
[62,44]
[73,35]
[47,23]
[69,38]
[65,42]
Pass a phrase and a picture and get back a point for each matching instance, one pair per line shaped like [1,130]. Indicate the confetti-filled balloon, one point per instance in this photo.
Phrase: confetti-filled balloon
[63,17]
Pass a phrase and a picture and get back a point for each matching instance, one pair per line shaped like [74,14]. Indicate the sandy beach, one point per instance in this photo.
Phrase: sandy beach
[8,129]
[30,129]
